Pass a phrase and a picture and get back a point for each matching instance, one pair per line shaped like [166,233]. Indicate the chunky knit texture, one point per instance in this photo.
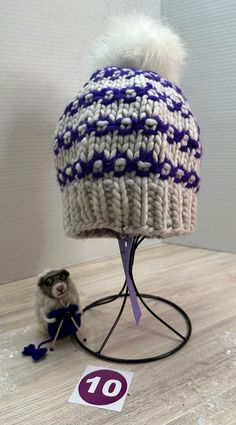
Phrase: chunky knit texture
[127,154]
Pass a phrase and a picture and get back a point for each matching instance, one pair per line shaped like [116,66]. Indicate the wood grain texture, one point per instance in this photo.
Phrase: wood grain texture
[195,386]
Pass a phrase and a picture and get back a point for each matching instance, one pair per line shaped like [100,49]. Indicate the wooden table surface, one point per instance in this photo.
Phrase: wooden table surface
[197,385]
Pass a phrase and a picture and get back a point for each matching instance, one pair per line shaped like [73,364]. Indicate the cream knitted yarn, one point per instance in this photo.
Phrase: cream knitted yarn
[127,148]
[127,154]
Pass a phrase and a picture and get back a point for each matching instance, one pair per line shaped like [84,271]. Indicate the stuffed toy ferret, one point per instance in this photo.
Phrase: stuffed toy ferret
[54,289]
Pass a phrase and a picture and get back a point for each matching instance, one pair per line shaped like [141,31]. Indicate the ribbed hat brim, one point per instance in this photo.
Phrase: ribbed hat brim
[145,206]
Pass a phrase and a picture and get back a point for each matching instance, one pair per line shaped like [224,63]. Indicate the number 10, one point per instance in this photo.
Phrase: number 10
[105,389]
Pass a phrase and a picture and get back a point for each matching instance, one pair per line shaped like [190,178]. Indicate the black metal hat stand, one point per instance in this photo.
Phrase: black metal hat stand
[124,294]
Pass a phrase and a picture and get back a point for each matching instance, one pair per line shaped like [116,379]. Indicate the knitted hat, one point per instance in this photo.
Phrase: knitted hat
[127,148]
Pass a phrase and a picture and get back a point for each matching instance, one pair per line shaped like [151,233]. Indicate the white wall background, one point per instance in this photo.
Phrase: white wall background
[44,60]
[44,49]
[209,29]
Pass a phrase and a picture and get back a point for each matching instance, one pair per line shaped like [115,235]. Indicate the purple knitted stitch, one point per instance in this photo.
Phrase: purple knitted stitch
[74,134]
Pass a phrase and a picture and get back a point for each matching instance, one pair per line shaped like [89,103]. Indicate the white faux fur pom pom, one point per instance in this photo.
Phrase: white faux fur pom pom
[143,43]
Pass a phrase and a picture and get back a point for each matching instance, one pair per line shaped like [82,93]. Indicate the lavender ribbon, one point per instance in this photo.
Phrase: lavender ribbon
[125,250]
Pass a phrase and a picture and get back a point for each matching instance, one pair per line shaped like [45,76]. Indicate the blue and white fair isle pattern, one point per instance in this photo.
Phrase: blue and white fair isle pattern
[128,123]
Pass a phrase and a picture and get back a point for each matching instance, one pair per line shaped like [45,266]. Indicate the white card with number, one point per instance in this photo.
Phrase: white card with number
[102,387]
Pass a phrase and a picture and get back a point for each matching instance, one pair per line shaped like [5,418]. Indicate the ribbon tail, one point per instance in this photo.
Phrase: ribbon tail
[125,250]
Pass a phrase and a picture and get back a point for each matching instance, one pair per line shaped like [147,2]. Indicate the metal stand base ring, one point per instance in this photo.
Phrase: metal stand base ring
[111,298]
[124,293]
